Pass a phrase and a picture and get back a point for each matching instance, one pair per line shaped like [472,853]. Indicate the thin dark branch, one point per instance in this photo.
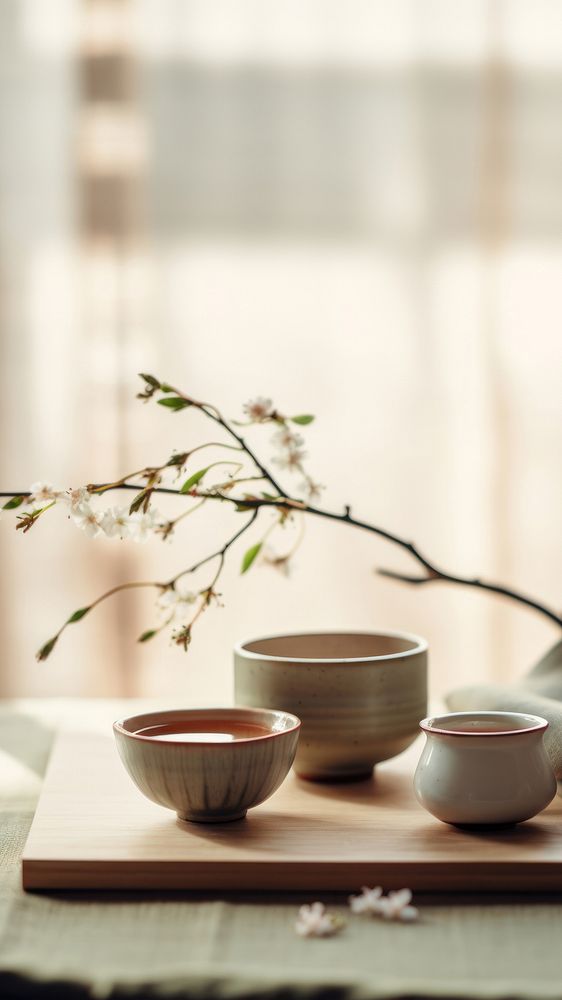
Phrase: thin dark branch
[478,584]
[219,554]
[390,574]
[433,573]
[245,446]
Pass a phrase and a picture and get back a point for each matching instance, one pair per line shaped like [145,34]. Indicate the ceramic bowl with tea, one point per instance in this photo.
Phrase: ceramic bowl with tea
[360,695]
[209,765]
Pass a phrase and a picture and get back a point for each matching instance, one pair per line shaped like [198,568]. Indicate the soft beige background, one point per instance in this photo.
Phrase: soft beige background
[353,207]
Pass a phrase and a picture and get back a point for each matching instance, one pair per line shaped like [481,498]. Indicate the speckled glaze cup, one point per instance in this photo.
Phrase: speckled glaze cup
[208,781]
[360,695]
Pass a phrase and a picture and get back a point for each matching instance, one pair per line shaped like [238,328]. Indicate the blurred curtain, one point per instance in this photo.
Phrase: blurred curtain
[354,207]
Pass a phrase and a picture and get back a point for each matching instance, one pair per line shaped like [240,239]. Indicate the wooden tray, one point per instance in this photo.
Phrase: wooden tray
[94,830]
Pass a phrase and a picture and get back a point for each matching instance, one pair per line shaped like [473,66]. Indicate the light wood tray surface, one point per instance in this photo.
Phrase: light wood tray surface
[94,830]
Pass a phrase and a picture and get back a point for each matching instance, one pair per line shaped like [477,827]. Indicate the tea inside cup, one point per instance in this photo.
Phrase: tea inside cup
[484,723]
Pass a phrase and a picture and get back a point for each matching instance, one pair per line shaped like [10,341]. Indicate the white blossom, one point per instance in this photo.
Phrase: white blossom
[291,459]
[76,497]
[311,490]
[42,493]
[367,902]
[116,522]
[315,921]
[142,525]
[88,519]
[395,906]
[258,409]
[175,602]
[286,438]
[282,563]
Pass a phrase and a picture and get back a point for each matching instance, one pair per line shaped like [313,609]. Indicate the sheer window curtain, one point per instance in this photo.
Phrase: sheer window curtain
[352,207]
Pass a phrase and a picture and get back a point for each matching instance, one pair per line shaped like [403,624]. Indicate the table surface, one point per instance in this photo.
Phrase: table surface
[243,945]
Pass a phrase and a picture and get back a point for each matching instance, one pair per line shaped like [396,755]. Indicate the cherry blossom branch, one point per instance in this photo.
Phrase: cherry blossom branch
[140,518]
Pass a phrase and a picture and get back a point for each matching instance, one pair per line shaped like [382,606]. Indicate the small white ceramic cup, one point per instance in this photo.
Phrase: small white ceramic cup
[484,768]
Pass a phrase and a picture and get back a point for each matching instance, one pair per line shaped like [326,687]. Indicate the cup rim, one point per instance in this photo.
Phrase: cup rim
[537,724]
[119,725]
[420,646]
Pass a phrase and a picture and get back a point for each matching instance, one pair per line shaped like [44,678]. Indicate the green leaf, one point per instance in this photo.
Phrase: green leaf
[14,502]
[150,379]
[147,635]
[47,648]
[194,479]
[140,499]
[165,387]
[250,556]
[302,419]
[174,403]
[78,615]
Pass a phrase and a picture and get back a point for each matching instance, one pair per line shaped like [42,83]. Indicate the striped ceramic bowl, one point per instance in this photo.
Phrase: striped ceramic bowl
[209,765]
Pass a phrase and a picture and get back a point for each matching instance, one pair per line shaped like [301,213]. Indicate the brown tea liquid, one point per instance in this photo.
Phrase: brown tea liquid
[205,731]
[481,727]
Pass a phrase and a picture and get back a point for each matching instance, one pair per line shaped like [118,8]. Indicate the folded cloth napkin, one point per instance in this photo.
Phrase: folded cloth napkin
[539,692]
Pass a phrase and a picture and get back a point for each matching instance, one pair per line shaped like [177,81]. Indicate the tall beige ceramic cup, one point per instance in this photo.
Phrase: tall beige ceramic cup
[360,695]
